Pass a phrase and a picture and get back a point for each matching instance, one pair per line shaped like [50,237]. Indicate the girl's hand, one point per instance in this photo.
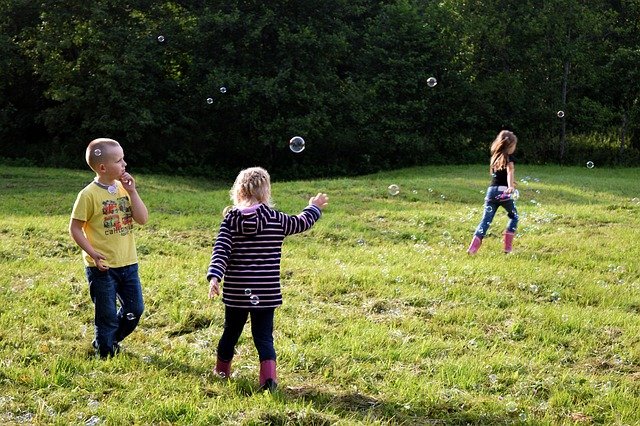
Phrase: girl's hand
[214,288]
[320,201]
[510,190]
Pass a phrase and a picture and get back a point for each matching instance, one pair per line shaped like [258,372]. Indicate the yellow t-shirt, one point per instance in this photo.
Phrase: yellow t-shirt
[108,224]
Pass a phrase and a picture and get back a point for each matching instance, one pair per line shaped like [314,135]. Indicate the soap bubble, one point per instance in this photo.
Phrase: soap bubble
[209,101]
[160,39]
[560,114]
[247,292]
[97,152]
[223,89]
[296,144]
[254,300]
[394,189]
[431,82]
[131,316]
[590,165]
[511,407]
[515,194]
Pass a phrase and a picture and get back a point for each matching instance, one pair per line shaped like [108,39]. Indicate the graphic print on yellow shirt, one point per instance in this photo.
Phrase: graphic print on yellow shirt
[114,223]
[108,224]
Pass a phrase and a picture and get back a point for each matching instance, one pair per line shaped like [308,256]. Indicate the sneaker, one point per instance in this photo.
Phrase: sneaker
[115,349]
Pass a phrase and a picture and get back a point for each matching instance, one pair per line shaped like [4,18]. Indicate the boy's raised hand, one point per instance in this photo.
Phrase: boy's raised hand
[214,288]
[128,182]
[320,201]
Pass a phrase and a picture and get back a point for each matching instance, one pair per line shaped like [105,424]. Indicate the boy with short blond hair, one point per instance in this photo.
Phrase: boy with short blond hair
[102,224]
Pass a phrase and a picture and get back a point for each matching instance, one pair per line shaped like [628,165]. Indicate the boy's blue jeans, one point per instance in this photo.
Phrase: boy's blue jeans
[105,287]
[491,204]
[261,330]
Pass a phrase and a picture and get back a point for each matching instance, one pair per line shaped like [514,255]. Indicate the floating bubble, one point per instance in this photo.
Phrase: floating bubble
[209,101]
[430,190]
[515,194]
[93,421]
[560,114]
[97,152]
[533,288]
[489,209]
[443,196]
[223,89]
[360,242]
[555,296]
[131,316]
[254,300]
[160,39]
[431,82]
[493,378]
[394,189]
[446,235]
[247,292]
[296,144]
[511,407]
[523,416]
[590,165]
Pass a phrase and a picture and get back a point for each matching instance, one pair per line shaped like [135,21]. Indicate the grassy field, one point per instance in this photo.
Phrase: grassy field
[386,319]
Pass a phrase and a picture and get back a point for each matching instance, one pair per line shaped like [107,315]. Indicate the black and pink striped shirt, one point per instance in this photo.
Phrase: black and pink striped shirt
[247,254]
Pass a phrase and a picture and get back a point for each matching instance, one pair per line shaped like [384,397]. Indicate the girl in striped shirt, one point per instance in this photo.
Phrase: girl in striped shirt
[247,255]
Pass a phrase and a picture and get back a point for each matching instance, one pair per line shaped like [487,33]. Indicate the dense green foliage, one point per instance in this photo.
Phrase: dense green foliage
[348,75]
[386,320]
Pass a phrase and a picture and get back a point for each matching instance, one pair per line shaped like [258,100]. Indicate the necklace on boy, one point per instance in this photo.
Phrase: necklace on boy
[112,189]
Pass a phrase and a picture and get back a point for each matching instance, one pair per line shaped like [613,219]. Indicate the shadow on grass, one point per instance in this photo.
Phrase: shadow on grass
[365,408]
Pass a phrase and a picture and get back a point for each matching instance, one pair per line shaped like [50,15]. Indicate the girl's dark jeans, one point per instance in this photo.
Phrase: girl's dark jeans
[491,204]
[261,330]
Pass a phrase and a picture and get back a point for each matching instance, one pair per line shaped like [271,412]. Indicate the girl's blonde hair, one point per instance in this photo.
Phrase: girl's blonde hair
[252,186]
[500,150]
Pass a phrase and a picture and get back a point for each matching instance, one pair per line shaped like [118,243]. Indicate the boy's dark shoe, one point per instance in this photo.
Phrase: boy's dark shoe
[106,353]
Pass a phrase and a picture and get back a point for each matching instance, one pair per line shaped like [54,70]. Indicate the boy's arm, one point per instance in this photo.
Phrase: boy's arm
[138,209]
[75,230]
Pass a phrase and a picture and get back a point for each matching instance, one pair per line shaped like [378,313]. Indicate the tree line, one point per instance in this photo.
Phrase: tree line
[198,86]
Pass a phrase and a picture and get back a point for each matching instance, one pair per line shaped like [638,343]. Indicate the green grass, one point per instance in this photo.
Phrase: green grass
[386,320]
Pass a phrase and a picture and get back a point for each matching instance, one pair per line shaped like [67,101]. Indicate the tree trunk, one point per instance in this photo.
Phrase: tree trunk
[623,137]
[563,134]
